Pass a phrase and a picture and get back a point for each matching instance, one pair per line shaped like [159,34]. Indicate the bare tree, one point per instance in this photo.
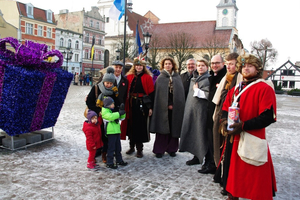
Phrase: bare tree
[154,54]
[129,46]
[181,47]
[264,50]
[214,45]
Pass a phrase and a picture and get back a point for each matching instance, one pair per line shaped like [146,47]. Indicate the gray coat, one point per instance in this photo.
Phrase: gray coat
[193,137]
[160,120]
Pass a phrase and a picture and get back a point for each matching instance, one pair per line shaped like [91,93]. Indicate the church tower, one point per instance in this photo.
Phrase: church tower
[226,14]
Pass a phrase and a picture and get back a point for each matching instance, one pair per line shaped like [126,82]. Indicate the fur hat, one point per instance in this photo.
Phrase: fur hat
[139,61]
[109,75]
[90,115]
[250,59]
[107,102]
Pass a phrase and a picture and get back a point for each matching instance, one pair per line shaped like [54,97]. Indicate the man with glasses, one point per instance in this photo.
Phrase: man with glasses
[186,77]
[217,72]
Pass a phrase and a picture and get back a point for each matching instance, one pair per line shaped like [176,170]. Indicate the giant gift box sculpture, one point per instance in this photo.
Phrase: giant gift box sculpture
[32,90]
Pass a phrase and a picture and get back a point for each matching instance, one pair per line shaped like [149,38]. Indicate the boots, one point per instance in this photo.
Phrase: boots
[104,157]
[230,197]
[131,150]
[139,154]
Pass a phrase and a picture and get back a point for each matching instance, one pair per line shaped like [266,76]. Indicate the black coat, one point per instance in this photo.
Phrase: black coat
[214,81]
[186,79]
[122,88]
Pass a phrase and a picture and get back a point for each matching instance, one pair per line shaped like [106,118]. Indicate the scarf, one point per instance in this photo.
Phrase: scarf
[105,92]
[229,78]
[170,81]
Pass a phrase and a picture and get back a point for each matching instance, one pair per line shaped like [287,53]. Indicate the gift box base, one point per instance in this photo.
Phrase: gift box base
[18,142]
[31,138]
[44,134]
[2,136]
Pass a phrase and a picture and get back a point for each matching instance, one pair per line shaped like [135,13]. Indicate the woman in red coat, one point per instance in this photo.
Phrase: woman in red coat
[92,131]
[140,84]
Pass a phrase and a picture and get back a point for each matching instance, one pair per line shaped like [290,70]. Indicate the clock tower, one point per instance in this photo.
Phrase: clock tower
[226,14]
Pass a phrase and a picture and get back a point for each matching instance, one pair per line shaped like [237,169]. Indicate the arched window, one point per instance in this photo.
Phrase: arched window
[87,38]
[77,45]
[69,43]
[61,42]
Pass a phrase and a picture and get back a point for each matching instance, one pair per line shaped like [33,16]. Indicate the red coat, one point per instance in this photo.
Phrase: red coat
[93,135]
[148,87]
[245,180]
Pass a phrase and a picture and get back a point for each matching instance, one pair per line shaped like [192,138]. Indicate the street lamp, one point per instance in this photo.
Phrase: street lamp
[69,54]
[118,53]
[147,38]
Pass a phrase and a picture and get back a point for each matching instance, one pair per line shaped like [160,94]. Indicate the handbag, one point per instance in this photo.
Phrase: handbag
[252,149]
[87,108]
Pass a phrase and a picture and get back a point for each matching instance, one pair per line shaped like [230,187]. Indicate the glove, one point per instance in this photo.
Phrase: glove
[117,121]
[121,112]
[237,128]
[122,107]
[223,127]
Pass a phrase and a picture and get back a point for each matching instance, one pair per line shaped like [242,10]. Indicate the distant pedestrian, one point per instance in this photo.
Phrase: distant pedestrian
[168,109]
[113,131]
[87,81]
[80,78]
[76,79]
[92,131]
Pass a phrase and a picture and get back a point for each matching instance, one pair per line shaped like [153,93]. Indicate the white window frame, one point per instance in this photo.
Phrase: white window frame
[77,44]
[29,28]
[49,16]
[49,32]
[69,43]
[29,10]
[61,42]
[40,31]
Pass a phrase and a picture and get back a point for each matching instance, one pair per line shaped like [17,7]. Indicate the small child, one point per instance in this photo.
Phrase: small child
[113,131]
[92,131]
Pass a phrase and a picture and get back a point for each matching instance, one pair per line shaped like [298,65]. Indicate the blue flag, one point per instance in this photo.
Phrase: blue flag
[138,40]
[117,10]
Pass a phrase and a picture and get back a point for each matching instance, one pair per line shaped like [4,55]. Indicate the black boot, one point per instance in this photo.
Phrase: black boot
[194,161]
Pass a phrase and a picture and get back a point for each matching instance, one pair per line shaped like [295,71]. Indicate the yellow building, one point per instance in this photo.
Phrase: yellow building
[6,29]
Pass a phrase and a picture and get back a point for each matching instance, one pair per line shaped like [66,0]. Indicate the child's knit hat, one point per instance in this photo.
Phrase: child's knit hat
[109,76]
[90,115]
[107,102]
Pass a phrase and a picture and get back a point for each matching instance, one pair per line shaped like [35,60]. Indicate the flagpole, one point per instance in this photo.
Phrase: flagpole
[125,21]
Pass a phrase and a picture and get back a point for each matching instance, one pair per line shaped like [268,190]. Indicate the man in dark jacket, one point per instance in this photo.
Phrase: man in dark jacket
[186,77]
[121,81]
[217,72]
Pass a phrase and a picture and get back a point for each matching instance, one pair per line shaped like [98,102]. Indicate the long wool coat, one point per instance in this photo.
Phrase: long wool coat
[245,180]
[193,133]
[160,120]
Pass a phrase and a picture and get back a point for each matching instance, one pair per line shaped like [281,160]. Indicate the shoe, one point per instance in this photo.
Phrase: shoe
[130,151]
[122,163]
[224,192]
[194,161]
[104,159]
[159,155]
[207,170]
[93,169]
[139,154]
[111,166]
[172,154]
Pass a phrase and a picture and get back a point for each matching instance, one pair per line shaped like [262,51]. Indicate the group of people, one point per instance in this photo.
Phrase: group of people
[187,113]
[82,79]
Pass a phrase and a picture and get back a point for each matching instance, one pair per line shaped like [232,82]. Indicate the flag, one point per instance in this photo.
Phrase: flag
[92,48]
[138,40]
[117,10]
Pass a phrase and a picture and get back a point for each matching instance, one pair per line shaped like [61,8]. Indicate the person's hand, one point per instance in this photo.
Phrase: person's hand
[195,86]
[223,127]
[122,109]
[170,107]
[150,112]
[237,128]
[122,106]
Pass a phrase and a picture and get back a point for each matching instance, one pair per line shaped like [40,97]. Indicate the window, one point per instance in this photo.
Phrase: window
[292,84]
[69,43]
[40,31]
[76,45]
[91,23]
[107,19]
[288,72]
[225,21]
[86,54]
[61,42]
[87,38]
[29,28]
[99,41]
[100,55]
[97,25]
[76,57]
[49,16]
[48,32]
[284,84]
[29,10]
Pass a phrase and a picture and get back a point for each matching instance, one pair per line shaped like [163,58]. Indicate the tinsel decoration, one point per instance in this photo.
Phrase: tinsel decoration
[32,90]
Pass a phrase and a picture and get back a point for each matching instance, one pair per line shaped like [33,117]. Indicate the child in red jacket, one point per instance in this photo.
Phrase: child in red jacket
[92,131]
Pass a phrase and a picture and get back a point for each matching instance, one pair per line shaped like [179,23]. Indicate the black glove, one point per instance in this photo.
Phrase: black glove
[116,120]
[237,128]
[122,107]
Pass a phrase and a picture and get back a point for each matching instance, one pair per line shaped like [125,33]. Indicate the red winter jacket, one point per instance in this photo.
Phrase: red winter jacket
[93,135]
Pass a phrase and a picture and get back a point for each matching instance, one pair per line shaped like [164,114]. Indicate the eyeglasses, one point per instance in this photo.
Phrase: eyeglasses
[215,63]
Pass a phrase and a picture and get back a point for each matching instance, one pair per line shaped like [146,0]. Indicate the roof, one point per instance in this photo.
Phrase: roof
[38,14]
[133,18]
[287,65]
[202,31]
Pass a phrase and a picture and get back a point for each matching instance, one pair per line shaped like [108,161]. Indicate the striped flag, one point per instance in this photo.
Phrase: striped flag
[93,48]
[117,10]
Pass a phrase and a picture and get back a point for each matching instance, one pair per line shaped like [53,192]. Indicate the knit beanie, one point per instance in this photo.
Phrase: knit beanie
[109,76]
[90,115]
[107,102]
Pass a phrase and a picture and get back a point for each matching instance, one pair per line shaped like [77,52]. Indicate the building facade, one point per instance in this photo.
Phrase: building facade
[33,23]
[90,24]
[6,29]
